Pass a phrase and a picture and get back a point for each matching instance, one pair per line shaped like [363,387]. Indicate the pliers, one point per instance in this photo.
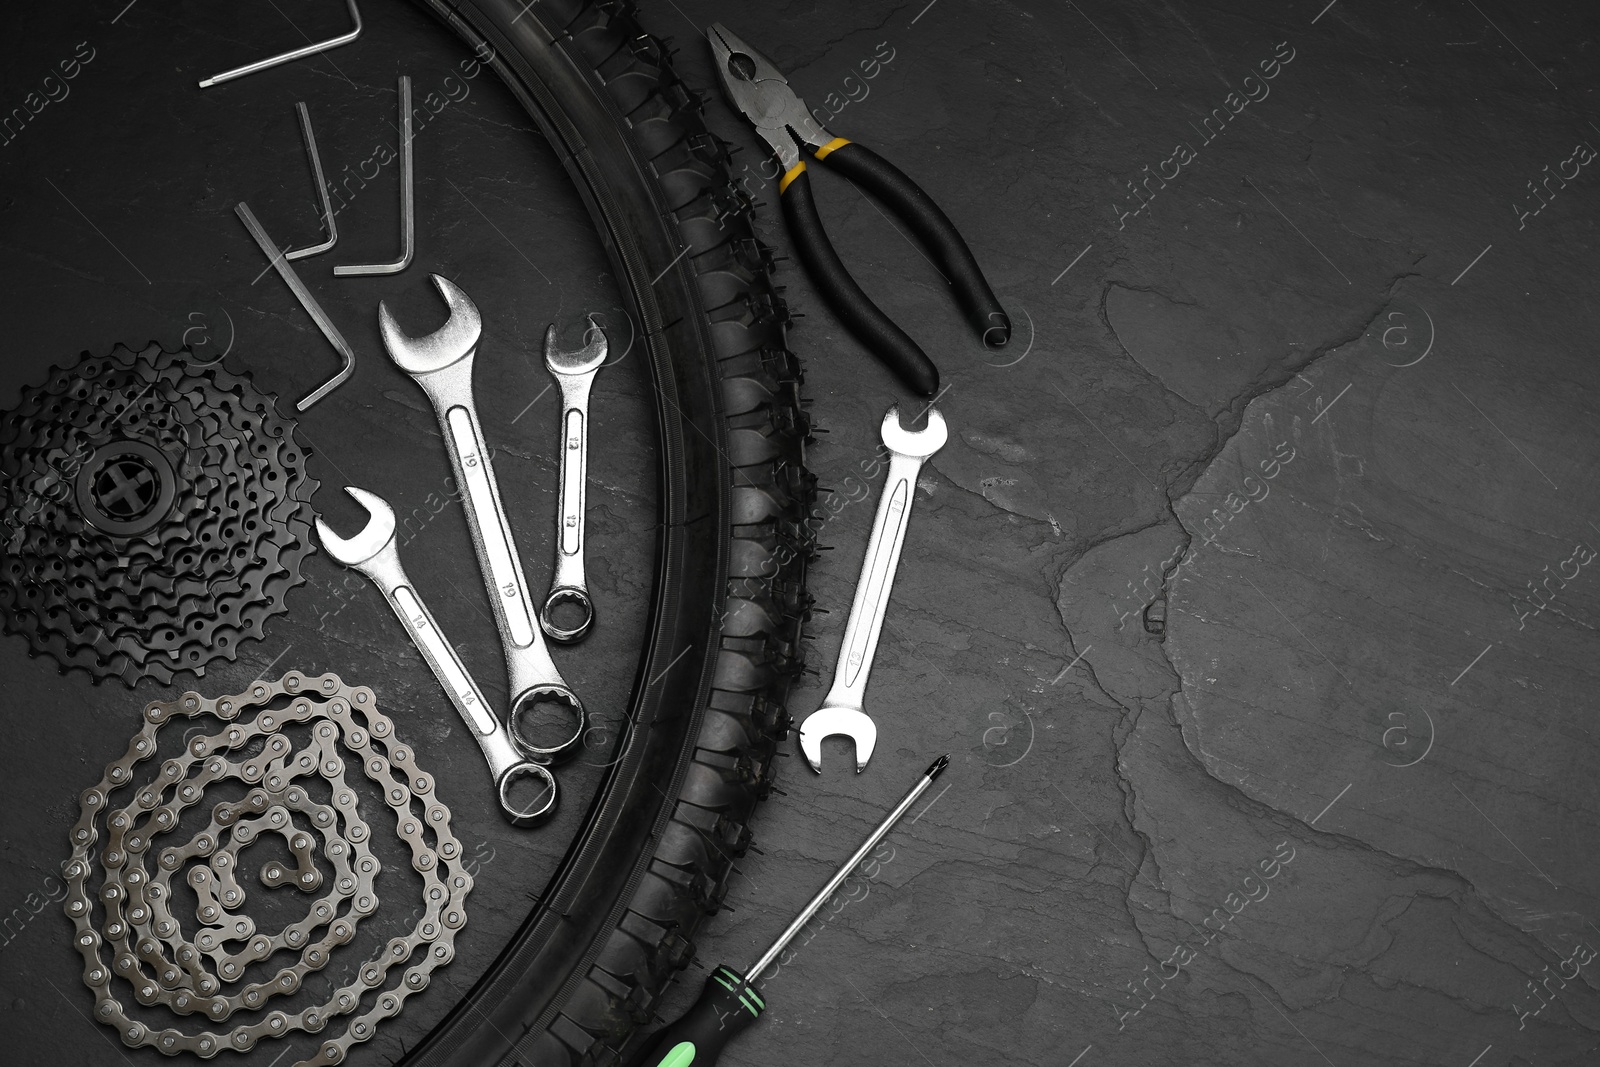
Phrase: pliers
[759,90]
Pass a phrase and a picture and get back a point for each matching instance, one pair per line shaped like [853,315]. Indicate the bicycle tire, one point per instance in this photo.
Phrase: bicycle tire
[656,846]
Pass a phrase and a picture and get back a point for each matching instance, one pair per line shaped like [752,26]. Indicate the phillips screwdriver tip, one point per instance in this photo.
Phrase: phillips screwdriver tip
[938,766]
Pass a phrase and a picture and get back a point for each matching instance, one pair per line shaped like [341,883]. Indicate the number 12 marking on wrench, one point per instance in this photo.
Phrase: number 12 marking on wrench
[574,372]
[441,363]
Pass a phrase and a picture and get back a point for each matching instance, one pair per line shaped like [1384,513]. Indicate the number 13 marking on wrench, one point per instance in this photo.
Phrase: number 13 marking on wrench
[841,710]
[441,363]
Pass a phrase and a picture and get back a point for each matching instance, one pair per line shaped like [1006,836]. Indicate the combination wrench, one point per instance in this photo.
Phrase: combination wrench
[841,710]
[441,363]
[374,554]
[574,373]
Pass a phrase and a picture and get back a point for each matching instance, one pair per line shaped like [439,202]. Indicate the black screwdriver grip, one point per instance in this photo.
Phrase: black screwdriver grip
[855,309]
[726,1007]
[933,227]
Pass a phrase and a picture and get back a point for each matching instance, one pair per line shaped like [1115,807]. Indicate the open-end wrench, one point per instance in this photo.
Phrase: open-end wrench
[373,553]
[841,710]
[441,363]
[574,373]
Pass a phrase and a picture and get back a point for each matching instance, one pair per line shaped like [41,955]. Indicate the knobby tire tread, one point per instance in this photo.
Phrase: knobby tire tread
[656,848]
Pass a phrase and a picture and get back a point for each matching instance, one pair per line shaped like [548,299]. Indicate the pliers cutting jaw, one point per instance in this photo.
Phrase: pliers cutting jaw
[760,91]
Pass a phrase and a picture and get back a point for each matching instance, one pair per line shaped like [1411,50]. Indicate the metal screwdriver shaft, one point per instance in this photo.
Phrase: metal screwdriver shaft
[729,1003]
[844,872]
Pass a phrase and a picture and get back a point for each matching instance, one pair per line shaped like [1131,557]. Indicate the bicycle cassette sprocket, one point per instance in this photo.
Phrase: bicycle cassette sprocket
[155,511]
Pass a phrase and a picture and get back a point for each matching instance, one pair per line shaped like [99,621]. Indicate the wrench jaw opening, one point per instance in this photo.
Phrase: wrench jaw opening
[841,709]
[373,553]
[583,361]
[456,340]
[830,722]
[547,619]
[376,536]
[918,444]
[542,808]
[526,706]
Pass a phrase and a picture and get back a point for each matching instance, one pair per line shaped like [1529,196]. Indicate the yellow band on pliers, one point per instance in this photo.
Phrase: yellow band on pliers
[832,146]
[793,173]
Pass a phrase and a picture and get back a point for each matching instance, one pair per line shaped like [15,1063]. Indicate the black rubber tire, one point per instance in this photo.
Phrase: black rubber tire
[707,710]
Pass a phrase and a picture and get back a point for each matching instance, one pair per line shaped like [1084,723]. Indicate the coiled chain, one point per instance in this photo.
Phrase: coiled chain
[148,947]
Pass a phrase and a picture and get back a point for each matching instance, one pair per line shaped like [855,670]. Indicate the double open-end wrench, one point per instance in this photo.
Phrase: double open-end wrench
[574,373]
[373,553]
[841,711]
[441,363]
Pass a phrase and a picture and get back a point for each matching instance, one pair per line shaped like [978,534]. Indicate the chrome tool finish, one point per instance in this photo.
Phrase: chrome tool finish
[441,363]
[841,711]
[574,372]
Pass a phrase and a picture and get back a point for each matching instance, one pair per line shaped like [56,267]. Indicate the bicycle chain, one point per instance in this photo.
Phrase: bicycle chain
[140,927]
[192,580]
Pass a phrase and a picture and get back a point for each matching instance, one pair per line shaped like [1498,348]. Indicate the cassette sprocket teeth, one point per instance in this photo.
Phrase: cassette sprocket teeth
[154,511]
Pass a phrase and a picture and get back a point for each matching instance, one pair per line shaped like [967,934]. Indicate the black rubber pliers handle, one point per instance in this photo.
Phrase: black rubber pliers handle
[932,226]
[855,309]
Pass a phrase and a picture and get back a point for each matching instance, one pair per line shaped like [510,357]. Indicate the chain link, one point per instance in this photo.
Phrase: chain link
[148,949]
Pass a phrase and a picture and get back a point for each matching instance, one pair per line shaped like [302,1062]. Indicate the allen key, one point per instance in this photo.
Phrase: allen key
[289,56]
[310,140]
[408,218]
[307,301]
[322,190]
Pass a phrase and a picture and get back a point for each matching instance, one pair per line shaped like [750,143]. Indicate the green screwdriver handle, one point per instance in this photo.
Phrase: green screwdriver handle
[726,1007]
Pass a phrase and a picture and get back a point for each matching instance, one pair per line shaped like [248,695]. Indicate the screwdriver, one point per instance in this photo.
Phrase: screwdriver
[728,1003]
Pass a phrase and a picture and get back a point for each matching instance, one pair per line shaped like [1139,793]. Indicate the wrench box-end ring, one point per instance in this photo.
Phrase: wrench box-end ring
[539,813]
[566,595]
[526,704]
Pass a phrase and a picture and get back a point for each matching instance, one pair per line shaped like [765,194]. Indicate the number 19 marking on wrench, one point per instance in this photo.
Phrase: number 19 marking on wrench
[464,438]
[841,710]
[441,363]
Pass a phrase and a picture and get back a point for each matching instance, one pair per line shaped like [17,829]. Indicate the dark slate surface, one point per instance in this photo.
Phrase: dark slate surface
[1339,357]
